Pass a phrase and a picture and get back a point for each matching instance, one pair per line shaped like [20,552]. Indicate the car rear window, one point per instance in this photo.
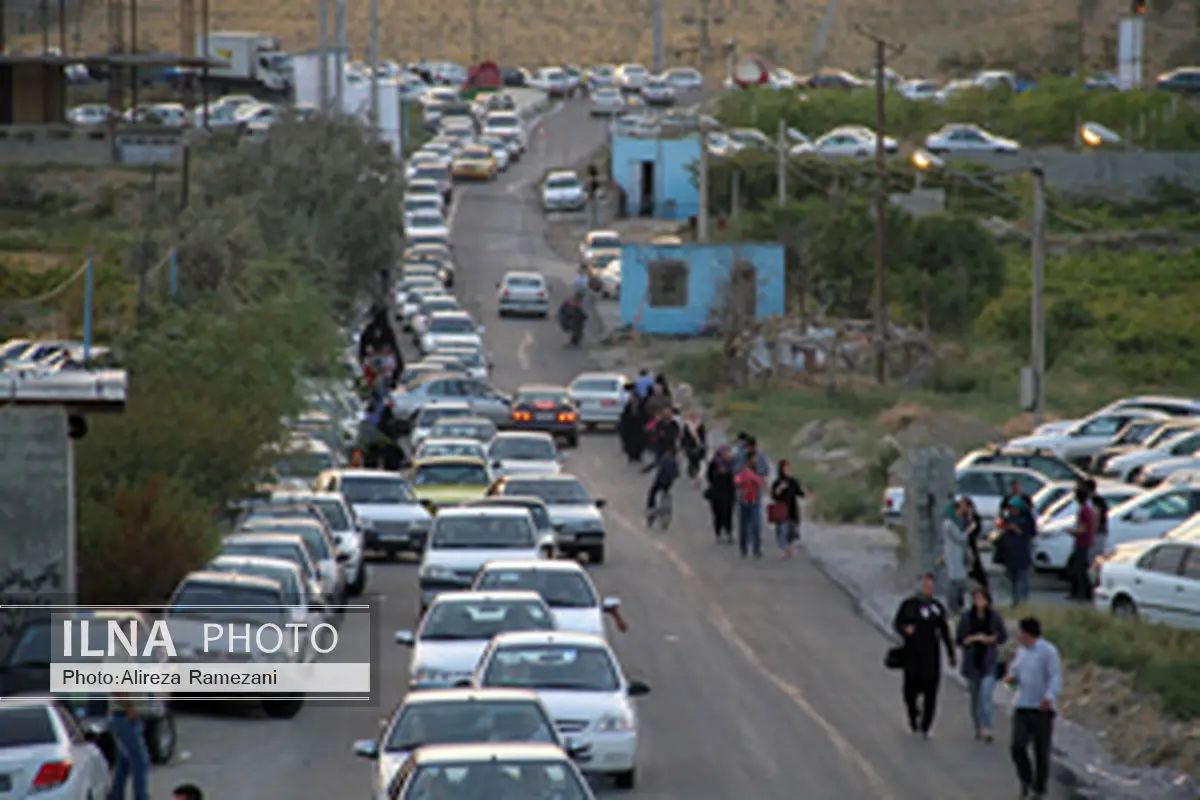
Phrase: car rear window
[24,727]
[605,385]
[559,398]
[523,282]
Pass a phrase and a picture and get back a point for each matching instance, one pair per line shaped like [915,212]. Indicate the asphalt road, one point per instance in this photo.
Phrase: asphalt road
[765,683]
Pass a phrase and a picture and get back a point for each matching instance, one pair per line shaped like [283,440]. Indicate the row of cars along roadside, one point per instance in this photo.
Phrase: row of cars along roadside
[1144,454]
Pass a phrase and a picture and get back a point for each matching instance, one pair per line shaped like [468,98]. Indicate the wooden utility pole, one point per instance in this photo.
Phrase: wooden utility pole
[882,51]
[704,22]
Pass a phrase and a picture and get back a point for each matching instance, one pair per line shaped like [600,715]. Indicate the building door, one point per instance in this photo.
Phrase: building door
[633,196]
[743,289]
[646,207]
[6,94]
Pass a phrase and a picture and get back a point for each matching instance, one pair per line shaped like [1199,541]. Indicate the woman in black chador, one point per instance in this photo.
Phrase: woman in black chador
[632,427]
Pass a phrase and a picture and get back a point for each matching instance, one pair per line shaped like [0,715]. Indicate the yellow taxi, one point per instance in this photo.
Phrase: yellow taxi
[443,481]
[475,162]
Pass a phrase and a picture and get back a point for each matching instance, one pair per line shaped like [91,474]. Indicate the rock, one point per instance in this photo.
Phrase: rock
[808,435]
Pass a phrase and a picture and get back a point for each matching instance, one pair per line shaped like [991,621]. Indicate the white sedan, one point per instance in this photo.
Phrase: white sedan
[579,680]
[1158,581]
[425,223]
[851,142]
[564,585]
[523,453]
[684,79]
[599,396]
[47,754]
[610,279]
[968,139]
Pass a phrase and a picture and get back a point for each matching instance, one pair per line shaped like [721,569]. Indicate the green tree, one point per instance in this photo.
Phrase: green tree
[952,269]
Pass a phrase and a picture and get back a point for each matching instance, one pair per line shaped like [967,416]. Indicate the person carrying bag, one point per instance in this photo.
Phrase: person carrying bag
[784,510]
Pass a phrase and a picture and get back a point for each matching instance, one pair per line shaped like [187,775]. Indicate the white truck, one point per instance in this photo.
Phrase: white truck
[255,62]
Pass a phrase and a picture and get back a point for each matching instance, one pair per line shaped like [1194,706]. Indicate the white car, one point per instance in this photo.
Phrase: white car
[1172,406]
[1178,442]
[343,524]
[851,142]
[575,514]
[1086,437]
[596,242]
[439,716]
[305,604]
[473,360]
[426,223]
[630,77]
[553,81]
[1148,515]
[563,191]
[1052,497]
[610,279]
[499,150]
[684,79]
[489,770]
[89,114]
[329,560]
[720,145]
[416,293]
[449,328]
[1157,581]
[780,79]
[987,486]
[658,92]
[431,304]
[607,102]
[523,292]
[423,204]
[523,453]
[968,139]
[507,126]
[599,397]
[750,139]
[433,413]
[578,678]
[1172,470]
[393,520]
[463,539]
[564,585]
[432,447]
[919,90]
[457,628]
[47,753]
[1137,435]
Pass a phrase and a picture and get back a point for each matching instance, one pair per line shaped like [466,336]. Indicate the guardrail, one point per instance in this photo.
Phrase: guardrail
[99,144]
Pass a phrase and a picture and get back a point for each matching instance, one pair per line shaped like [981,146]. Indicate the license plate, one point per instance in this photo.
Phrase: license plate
[547,417]
[5,783]
[394,537]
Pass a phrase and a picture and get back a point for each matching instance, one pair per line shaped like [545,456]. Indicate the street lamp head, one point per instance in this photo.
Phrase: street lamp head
[1093,134]
[924,160]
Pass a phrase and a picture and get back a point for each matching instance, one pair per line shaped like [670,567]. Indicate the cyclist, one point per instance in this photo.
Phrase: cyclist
[666,470]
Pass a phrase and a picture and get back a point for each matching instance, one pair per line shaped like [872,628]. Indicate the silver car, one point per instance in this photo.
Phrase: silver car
[599,396]
[607,102]
[46,753]
[523,293]
[578,523]
[483,399]
[319,540]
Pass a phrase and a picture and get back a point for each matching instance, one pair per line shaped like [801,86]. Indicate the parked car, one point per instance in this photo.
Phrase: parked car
[630,78]
[563,191]
[986,486]
[1185,80]
[47,753]
[959,138]
[684,79]
[1158,581]
[658,92]
[1133,437]
[1174,441]
[1083,439]
[851,142]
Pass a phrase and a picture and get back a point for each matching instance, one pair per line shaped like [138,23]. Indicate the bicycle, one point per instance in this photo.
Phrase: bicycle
[661,513]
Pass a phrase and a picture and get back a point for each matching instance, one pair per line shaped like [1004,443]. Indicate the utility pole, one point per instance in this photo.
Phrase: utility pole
[658,37]
[475,32]
[339,76]
[702,212]
[735,193]
[324,56]
[781,152]
[374,55]
[1037,310]
[882,49]
[704,22]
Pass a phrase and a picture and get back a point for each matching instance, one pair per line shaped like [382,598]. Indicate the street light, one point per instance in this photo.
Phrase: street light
[1033,383]
[1093,134]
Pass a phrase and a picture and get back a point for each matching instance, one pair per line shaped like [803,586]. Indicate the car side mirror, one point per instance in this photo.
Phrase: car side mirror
[405,638]
[366,748]
[600,503]
[481,330]
[611,604]
[496,465]
[342,558]
[462,683]
[559,527]
[637,689]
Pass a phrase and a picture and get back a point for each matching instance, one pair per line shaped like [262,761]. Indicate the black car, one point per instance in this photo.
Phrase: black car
[1185,80]
[512,76]
[548,409]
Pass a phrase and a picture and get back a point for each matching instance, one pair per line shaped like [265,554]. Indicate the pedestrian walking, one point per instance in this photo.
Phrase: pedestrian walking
[981,630]
[643,384]
[976,569]
[187,791]
[954,553]
[695,444]
[125,725]
[749,481]
[1014,548]
[921,623]
[720,493]
[1036,676]
[1084,535]
[784,510]
[631,427]
[1100,505]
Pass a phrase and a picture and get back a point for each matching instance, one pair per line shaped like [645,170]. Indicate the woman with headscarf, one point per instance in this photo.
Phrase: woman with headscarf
[719,493]
[631,428]
[954,552]
[695,443]
[976,569]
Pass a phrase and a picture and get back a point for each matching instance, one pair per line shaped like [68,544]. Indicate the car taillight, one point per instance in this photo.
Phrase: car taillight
[540,294]
[52,774]
[566,416]
[504,293]
[521,416]
[888,502]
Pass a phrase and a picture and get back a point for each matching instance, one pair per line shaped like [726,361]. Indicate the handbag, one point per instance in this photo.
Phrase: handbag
[894,659]
[777,513]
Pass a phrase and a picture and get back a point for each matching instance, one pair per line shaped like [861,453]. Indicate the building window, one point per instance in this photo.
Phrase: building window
[668,283]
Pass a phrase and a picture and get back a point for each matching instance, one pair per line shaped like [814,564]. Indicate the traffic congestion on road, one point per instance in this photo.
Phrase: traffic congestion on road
[525,612]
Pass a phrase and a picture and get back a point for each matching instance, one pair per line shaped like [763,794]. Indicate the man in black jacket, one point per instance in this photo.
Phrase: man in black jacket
[921,623]
[379,336]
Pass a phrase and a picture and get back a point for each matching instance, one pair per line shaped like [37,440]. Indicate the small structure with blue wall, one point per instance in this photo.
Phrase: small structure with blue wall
[674,289]
[656,174]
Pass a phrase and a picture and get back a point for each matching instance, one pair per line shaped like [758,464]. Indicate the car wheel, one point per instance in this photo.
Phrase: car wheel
[589,426]
[502,313]
[596,555]
[360,582]
[626,780]
[161,738]
[283,708]
[1124,608]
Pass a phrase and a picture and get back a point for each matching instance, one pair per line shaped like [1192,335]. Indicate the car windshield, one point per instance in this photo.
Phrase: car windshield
[458,430]
[430,415]
[532,448]
[414,204]
[469,358]
[426,221]
[432,172]
[34,646]
[312,534]
[523,282]
[435,449]
[452,325]
[606,243]
[541,517]
[559,588]
[502,122]
[556,492]
[459,621]
[599,385]
[482,532]
[364,489]
[26,726]
[563,182]
[334,513]
[304,464]
[461,474]
[433,304]
[422,240]
[496,779]
[464,722]
[285,550]
[542,399]
[197,597]
[540,666]
[285,577]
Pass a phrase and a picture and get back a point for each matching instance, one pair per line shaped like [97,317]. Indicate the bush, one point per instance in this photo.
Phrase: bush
[1046,115]
[1161,660]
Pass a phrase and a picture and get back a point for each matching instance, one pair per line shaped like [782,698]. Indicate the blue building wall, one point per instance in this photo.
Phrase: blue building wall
[675,195]
[709,268]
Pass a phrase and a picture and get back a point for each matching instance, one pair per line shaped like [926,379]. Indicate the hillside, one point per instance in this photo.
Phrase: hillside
[937,34]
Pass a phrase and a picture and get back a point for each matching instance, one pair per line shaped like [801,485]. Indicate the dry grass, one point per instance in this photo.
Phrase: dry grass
[589,31]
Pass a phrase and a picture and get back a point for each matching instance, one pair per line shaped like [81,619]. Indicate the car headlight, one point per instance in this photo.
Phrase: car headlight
[615,723]
[434,572]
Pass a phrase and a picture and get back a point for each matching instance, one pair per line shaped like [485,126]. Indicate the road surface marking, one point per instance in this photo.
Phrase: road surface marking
[523,350]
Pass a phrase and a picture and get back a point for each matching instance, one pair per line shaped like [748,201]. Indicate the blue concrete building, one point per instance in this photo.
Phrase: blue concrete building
[673,289]
[656,174]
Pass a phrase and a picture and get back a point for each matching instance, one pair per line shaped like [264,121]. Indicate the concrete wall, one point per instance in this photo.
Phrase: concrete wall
[36,508]
[62,144]
[1108,174]
[674,192]
[709,267]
